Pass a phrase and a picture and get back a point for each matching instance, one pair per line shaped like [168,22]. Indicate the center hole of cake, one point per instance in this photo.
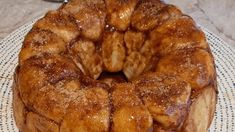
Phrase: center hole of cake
[112,77]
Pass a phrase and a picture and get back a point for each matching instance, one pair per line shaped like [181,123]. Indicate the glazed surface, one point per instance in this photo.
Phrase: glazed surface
[115,65]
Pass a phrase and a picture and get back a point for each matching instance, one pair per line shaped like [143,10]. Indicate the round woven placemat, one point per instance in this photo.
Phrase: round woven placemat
[224,119]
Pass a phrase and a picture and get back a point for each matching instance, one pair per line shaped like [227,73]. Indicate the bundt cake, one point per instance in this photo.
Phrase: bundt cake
[115,65]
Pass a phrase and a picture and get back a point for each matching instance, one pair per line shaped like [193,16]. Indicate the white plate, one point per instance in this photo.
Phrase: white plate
[224,119]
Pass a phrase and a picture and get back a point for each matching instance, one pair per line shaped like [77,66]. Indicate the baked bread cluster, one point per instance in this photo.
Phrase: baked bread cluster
[115,65]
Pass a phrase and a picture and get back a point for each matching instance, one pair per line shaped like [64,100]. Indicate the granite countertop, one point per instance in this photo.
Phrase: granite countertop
[217,16]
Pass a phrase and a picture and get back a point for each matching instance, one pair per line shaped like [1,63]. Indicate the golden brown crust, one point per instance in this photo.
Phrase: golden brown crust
[199,120]
[39,41]
[166,97]
[59,23]
[120,12]
[89,15]
[115,65]
[37,123]
[90,111]
[19,109]
[84,54]
[174,34]
[193,65]
[145,17]
[129,113]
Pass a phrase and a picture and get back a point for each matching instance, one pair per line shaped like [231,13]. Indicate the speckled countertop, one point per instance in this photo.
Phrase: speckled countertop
[217,16]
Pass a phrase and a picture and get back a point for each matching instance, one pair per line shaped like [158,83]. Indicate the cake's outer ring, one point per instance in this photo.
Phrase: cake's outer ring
[197,120]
